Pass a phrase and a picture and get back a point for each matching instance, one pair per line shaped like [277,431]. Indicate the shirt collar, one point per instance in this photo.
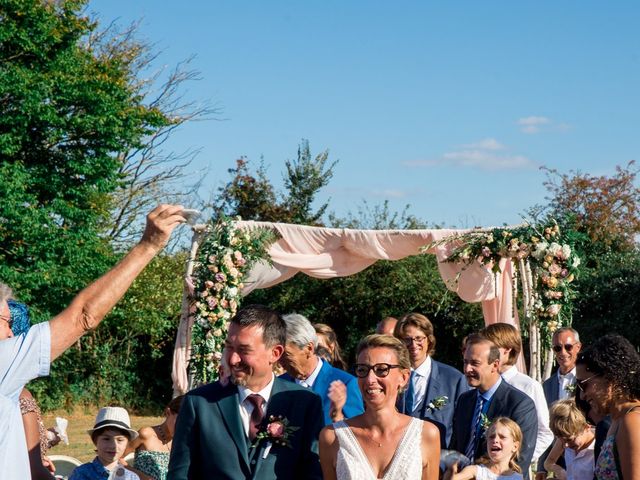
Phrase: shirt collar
[244,392]
[511,372]
[424,369]
[309,381]
[570,375]
[489,393]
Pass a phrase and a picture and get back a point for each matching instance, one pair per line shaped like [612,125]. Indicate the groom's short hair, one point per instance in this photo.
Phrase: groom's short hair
[274,330]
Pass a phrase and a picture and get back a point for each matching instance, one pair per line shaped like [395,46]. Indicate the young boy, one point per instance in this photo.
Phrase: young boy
[111,435]
[575,437]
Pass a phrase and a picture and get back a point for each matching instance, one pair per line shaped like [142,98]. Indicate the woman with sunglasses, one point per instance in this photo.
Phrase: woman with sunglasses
[608,377]
[381,443]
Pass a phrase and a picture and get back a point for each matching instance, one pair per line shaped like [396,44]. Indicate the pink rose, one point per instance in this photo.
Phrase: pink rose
[275,429]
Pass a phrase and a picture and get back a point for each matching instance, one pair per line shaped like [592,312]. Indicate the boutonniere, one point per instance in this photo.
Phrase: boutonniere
[277,431]
[571,389]
[438,402]
[484,421]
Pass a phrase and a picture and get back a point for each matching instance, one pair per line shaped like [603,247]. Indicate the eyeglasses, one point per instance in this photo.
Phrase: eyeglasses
[417,340]
[380,370]
[7,319]
[582,384]
[567,346]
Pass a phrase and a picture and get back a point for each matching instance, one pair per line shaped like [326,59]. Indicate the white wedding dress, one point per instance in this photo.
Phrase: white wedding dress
[406,464]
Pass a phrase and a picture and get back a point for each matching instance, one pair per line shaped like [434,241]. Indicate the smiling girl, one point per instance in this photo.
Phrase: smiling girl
[504,438]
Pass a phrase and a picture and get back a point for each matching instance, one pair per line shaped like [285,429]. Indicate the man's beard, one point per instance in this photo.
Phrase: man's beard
[239,381]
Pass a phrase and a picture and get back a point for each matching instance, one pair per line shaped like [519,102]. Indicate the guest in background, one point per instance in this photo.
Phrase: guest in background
[338,389]
[575,438]
[434,387]
[504,439]
[153,445]
[566,346]
[328,340]
[507,338]
[111,435]
[386,326]
[492,397]
[608,376]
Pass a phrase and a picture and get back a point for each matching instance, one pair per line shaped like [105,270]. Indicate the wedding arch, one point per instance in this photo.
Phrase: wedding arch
[232,257]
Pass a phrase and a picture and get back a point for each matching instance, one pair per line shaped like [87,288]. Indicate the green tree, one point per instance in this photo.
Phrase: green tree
[73,113]
[252,196]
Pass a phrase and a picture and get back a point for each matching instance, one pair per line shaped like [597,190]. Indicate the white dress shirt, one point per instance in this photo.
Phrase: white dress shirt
[580,465]
[420,380]
[534,391]
[564,381]
[246,407]
[310,380]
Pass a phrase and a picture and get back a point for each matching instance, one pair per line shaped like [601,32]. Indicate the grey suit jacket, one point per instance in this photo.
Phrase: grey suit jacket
[210,442]
[551,388]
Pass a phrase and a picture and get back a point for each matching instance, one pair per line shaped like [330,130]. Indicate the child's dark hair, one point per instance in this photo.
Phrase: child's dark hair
[96,433]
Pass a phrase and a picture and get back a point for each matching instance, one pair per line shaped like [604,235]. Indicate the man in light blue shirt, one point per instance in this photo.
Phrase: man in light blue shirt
[29,355]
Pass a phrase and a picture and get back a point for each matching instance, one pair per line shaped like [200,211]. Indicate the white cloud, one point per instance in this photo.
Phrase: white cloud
[536,124]
[486,144]
[389,193]
[483,154]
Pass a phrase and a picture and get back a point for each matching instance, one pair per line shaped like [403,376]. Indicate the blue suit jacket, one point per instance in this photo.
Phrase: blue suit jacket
[507,401]
[551,388]
[210,442]
[444,381]
[353,406]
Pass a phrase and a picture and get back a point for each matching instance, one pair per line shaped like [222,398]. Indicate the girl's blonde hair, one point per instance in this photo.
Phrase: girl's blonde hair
[565,419]
[516,433]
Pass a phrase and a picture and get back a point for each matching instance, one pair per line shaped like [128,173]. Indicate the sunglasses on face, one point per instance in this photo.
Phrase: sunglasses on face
[582,384]
[380,370]
[567,346]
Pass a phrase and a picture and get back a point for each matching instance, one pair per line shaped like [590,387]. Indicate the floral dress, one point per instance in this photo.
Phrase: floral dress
[607,464]
[154,464]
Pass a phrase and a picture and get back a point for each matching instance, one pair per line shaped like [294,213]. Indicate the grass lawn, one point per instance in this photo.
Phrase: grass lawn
[80,445]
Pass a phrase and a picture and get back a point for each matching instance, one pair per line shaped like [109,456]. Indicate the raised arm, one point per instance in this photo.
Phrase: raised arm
[90,306]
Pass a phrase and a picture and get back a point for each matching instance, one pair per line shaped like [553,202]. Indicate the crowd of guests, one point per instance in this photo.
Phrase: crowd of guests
[396,413]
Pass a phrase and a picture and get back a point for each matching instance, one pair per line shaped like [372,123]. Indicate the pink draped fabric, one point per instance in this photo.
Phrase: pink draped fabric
[333,252]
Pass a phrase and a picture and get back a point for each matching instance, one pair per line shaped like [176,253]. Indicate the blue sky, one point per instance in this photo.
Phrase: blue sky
[450,107]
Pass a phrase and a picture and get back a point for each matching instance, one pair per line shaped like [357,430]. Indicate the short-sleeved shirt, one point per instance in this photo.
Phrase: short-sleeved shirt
[22,359]
[96,471]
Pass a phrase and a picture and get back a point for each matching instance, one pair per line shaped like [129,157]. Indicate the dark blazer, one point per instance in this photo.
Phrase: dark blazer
[354,405]
[209,441]
[444,381]
[507,401]
[551,388]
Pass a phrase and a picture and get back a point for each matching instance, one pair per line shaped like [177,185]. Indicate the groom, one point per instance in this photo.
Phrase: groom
[227,431]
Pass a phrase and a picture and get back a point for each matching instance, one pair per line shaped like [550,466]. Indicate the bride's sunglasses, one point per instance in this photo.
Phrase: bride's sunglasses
[380,370]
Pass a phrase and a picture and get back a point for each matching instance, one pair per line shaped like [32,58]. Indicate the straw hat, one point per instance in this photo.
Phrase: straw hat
[116,417]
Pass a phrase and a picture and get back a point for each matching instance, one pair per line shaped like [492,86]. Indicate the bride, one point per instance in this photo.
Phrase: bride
[381,443]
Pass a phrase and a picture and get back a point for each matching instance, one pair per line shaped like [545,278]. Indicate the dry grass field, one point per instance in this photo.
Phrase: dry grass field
[80,445]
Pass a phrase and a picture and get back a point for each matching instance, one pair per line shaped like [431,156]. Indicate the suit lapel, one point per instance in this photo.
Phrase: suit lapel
[320,385]
[433,387]
[229,406]
[555,387]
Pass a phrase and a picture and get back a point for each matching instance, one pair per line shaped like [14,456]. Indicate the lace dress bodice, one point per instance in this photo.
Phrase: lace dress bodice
[353,464]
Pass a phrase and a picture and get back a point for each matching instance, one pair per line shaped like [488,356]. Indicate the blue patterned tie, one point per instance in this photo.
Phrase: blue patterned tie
[471,446]
[408,397]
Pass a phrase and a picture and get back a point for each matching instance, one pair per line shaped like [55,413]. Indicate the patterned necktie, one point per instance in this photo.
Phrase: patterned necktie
[408,397]
[256,415]
[475,431]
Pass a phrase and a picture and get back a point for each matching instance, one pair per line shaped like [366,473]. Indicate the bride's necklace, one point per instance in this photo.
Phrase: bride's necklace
[370,438]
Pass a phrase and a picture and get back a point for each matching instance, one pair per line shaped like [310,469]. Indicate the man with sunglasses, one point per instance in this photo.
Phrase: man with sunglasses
[566,346]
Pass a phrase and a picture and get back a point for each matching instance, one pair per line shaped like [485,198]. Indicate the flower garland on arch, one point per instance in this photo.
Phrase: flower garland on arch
[225,255]
[544,257]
